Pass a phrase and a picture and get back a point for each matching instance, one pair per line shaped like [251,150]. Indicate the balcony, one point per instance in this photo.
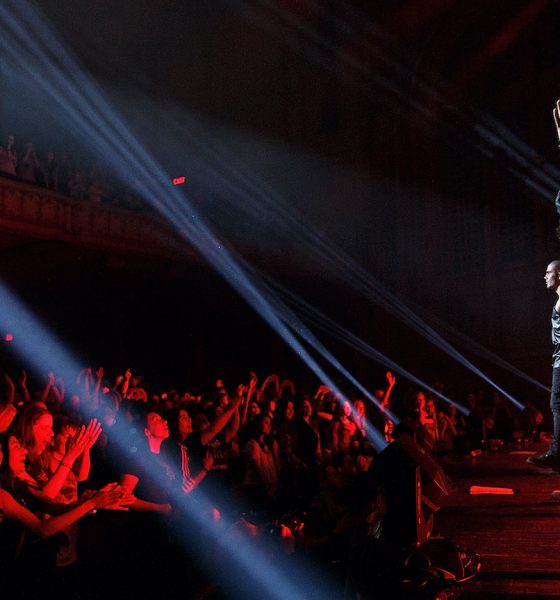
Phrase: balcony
[29,212]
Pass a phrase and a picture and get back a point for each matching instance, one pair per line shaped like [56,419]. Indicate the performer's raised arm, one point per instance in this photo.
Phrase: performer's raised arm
[556,117]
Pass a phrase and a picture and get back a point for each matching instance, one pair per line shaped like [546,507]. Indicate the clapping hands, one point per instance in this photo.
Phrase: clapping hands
[110,497]
[83,439]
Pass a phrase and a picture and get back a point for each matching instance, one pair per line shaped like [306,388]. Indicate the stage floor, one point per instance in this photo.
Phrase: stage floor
[517,536]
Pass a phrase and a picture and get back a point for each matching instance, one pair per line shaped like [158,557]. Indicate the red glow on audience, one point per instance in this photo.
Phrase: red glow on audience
[179,180]
[164,396]
[9,337]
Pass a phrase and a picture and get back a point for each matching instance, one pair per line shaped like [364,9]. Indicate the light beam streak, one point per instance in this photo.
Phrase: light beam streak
[339,263]
[328,325]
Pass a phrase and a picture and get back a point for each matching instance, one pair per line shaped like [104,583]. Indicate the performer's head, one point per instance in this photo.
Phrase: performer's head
[552,275]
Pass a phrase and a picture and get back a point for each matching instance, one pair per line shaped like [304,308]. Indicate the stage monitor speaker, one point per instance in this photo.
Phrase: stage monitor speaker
[414,486]
[418,433]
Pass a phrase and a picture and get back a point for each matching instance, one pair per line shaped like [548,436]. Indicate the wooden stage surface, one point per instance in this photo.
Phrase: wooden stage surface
[517,536]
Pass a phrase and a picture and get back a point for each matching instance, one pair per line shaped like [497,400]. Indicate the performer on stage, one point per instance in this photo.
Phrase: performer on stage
[551,458]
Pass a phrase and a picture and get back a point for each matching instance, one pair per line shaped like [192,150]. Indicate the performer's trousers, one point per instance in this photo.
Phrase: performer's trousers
[555,408]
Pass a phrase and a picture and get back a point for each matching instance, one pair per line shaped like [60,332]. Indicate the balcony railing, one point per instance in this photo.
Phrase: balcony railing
[29,210]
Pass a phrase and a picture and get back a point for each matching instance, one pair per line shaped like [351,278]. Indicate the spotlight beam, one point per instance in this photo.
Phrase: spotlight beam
[374,437]
[329,326]
[348,270]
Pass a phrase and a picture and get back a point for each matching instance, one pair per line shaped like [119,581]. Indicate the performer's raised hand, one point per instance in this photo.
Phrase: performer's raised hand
[556,116]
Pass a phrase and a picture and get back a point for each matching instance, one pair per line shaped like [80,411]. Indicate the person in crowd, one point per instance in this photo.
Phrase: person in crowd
[262,466]
[285,428]
[135,391]
[148,475]
[383,396]
[359,417]
[530,421]
[8,409]
[96,190]
[49,170]
[8,157]
[34,430]
[64,490]
[475,426]
[106,452]
[448,427]
[26,566]
[308,446]
[77,184]
[63,173]
[205,433]
[175,449]
[343,430]
[6,165]
[269,407]
[52,395]
[28,165]
[423,412]
[504,418]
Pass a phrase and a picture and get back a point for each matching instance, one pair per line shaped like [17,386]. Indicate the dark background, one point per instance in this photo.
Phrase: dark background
[363,117]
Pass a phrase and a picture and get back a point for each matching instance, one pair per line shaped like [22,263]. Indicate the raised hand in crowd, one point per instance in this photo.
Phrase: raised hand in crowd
[59,387]
[252,386]
[8,410]
[222,390]
[118,385]
[191,483]
[272,378]
[78,449]
[95,396]
[126,382]
[288,384]
[49,387]
[391,380]
[209,433]
[11,395]
[322,391]
[249,391]
[26,396]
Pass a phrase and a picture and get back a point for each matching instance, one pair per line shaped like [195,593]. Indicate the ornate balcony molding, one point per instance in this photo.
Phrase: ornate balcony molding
[28,210]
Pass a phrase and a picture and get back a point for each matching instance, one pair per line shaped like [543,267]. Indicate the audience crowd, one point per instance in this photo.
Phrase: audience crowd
[65,173]
[113,487]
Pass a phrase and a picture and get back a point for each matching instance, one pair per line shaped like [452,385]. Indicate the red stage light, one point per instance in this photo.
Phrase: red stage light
[164,396]
[179,180]
[483,489]
[9,337]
